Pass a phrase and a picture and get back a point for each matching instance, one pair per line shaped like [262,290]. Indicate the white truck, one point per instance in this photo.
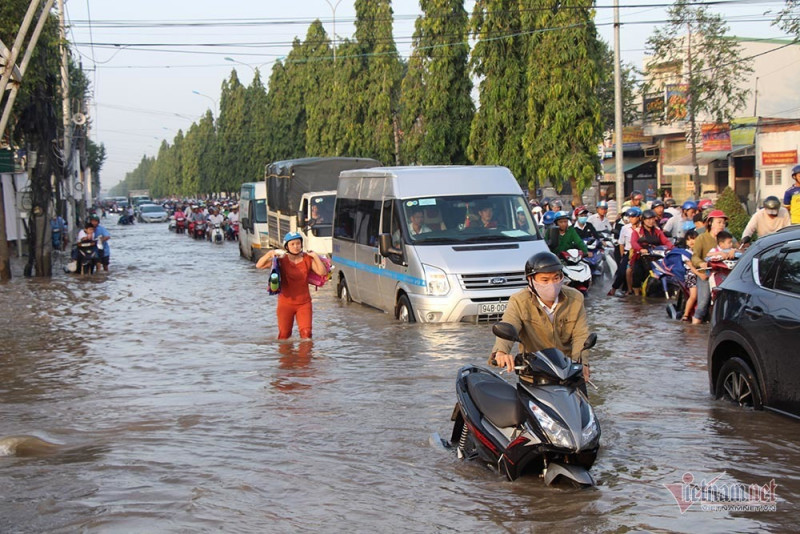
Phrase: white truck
[300,198]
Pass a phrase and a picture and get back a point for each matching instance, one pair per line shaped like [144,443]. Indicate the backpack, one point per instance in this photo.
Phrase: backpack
[320,280]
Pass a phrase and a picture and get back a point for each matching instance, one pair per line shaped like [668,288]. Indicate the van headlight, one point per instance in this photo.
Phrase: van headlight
[435,281]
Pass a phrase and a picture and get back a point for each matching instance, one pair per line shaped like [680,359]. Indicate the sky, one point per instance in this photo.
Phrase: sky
[144,91]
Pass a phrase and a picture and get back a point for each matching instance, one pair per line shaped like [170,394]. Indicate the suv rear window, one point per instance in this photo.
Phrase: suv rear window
[766,264]
[788,277]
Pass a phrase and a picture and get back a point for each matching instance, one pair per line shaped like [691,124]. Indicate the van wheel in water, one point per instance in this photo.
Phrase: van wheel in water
[404,313]
[737,382]
[343,291]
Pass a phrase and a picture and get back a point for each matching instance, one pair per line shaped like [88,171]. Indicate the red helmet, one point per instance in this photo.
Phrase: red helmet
[716,214]
[704,203]
[581,209]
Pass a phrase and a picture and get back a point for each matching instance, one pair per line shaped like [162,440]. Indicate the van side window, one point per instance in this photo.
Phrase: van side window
[368,222]
[391,225]
[345,218]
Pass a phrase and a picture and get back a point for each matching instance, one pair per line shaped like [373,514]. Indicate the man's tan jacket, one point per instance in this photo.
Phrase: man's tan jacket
[567,332]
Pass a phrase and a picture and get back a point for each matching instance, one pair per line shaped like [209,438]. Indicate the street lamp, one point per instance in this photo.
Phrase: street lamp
[216,112]
[241,63]
[333,10]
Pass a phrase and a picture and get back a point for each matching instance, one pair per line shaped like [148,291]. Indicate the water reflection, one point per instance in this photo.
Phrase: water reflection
[294,366]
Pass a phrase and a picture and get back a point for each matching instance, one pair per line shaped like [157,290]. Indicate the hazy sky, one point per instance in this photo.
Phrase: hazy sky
[144,93]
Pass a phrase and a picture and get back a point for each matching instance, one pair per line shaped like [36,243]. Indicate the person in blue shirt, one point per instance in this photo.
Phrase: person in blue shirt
[790,197]
[102,236]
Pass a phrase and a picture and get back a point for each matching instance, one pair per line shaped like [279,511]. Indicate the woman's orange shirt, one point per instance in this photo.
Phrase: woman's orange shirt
[294,279]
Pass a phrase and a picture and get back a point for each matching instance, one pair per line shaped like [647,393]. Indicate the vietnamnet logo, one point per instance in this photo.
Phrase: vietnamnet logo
[714,496]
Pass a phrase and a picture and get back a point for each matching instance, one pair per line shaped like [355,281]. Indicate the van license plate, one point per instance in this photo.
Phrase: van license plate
[494,308]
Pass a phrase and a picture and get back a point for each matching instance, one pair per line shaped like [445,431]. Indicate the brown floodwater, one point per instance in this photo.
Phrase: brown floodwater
[174,409]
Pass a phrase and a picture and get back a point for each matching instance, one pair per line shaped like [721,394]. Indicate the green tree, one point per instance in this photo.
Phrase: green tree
[381,85]
[713,66]
[788,18]
[737,216]
[317,86]
[285,108]
[436,105]
[232,125]
[259,132]
[499,61]
[564,124]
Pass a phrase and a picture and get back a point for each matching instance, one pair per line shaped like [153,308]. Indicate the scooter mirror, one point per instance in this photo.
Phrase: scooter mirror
[505,331]
[590,342]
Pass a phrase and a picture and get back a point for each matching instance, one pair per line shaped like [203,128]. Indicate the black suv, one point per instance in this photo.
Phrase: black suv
[754,347]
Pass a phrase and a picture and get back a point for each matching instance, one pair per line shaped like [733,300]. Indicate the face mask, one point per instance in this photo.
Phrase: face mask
[547,292]
[583,220]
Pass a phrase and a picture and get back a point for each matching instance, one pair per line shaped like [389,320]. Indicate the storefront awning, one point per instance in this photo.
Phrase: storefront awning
[628,164]
[683,165]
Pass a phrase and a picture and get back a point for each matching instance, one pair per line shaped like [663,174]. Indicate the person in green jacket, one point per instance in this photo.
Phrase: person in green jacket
[564,237]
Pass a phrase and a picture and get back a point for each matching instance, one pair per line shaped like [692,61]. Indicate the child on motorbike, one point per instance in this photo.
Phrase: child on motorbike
[691,277]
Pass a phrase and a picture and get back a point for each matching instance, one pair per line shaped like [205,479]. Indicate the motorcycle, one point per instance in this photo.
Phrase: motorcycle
[199,230]
[577,273]
[232,232]
[216,235]
[180,225]
[172,226]
[85,254]
[126,219]
[545,425]
[609,248]
[596,261]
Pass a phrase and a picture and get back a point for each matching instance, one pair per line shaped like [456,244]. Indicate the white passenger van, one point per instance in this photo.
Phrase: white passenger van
[432,244]
[253,233]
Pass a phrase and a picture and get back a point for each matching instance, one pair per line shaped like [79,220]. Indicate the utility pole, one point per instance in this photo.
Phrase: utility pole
[692,118]
[618,153]
[69,182]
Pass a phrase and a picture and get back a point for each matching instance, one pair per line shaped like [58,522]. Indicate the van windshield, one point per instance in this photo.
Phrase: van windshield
[468,218]
[260,212]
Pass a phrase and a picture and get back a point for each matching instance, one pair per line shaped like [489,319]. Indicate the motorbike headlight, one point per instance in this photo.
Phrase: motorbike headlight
[591,430]
[435,281]
[557,433]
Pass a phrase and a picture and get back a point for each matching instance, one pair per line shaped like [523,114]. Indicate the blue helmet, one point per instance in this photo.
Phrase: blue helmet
[561,215]
[291,236]
[795,170]
[689,205]
[548,217]
[688,225]
[602,204]
[634,212]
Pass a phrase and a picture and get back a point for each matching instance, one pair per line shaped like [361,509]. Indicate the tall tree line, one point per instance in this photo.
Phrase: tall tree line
[541,76]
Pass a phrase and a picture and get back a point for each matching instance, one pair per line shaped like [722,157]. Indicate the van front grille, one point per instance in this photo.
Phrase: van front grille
[513,280]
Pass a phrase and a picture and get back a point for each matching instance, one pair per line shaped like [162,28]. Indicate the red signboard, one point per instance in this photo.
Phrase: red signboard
[716,136]
[786,157]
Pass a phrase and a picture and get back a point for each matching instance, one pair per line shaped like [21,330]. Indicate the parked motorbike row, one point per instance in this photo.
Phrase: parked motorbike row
[216,233]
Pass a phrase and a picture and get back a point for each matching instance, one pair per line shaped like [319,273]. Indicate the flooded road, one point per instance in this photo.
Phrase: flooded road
[174,409]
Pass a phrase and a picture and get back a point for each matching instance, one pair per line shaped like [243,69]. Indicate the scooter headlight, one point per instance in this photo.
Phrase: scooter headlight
[591,430]
[556,432]
[435,281]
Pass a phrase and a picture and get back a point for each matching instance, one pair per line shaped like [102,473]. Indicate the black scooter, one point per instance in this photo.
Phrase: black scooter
[544,425]
[85,254]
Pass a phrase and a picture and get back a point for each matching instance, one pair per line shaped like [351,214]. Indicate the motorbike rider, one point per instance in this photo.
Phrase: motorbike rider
[649,236]
[675,226]
[767,221]
[672,207]
[715,223]
[101,235]
[583,227]
[790,199]
[564,237]
[600,220]
[233,219]
[661,216]
[546,314]
[625,247]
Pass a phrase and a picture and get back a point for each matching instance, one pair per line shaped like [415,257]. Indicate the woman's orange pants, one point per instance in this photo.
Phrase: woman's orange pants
[287,311]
